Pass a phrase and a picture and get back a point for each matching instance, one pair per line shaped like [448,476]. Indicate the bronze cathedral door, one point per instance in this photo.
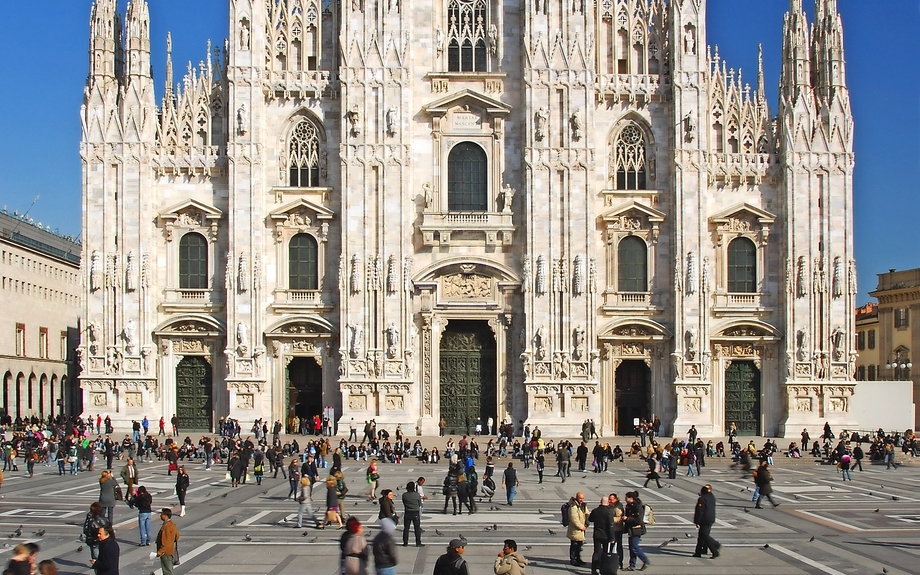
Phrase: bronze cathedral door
[193,393]
[468,375]
[742,397]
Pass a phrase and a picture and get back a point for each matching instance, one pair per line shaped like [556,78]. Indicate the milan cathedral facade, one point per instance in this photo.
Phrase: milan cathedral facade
[543,211]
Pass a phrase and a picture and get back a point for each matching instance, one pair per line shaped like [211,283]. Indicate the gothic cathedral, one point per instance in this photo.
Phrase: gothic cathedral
[543,211]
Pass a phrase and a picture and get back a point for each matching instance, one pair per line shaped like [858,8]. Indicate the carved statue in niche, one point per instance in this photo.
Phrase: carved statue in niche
[439,41]
[677,361]
[392,280]
[145,271]
[355,276]
[592,275]
[578,277]
[493,39]
[790,278]
[354,120]
[94,332]
[244,35]
[578,341]
[801,342]
[131,272]
[851,277]
[95,271]
[129,333]
[541,118]
[691,343]
[689,127]
[392,335]
[242,338]
[506,196]
[689,41]
[706,276]
[678,274]
[578,124]
[706,358]
[276,348]
[802,289]
[837,340]
[243,273]
[541,275]
[242,119]
[539,343]
[837,289]
[354,340]
[691,273]
[257,356]
[391,119]
[820,277]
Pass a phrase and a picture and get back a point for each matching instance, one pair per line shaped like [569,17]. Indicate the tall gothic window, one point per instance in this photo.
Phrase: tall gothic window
[193,262]
[303,155]
[629,159]
[466,36]
[632,265]
[467,179]
[302,265]
[742,266]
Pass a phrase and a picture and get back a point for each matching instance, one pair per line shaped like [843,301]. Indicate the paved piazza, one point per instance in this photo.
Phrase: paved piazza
[859,527]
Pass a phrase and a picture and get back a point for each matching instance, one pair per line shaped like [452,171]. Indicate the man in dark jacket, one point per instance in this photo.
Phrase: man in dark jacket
[384,547]
[452,562]
[412,511]
[704,516]
[602,518]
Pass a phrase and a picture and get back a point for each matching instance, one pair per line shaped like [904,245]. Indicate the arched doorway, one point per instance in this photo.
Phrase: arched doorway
[468,375]
[304,387]
[742,397]
[7,382]
[193,393]
[633,395]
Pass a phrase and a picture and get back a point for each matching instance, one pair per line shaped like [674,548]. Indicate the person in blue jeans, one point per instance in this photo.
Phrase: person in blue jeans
[510,482]
[143,502]
[635,527]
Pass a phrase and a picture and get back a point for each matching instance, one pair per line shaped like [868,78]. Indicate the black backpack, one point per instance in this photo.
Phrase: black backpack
[565,514]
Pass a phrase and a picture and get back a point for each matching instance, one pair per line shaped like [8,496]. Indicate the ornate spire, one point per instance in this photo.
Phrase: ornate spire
[796,73]
[105,40]
[829,68]
[169,67]
[137,40]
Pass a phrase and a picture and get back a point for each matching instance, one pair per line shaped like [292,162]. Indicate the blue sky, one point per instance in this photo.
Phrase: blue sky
[43,66]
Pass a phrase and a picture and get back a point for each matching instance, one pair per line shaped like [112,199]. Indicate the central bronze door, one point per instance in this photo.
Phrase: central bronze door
[742,397]
[468,375]
[633,395]
[193,393]
[305,387]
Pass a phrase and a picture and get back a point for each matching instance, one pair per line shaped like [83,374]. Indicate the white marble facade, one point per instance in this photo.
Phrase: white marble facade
[591,183]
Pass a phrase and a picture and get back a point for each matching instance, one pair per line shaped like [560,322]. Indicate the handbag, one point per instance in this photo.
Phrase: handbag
[119,496]
[176,553]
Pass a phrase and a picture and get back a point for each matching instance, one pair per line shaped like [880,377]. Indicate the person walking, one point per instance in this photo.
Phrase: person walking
[167,541]
[704,516]
[412,511]
[384,549]
[509,560]
[305,503]
[619,525]
[182,483]
[577,525]
[602,519]
[652,474]
[451,488]
[143,502]
[563,461]
[845,467]
[452,562]
[109,552]
[762,479]
[130,477]
[858,455]
[354,548]
[372,477]
[333,514]
[635,525]
[510,482]
[107,485]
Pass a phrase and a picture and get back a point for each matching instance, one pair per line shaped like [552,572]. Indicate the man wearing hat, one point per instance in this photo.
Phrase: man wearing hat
[452,562]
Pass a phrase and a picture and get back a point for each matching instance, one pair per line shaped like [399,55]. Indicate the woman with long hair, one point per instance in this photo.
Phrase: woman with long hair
[332,502]
[372,478]
[182,482]
[143,501]
[107,486]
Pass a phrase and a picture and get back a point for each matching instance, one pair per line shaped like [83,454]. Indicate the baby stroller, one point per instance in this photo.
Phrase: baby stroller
[488,487]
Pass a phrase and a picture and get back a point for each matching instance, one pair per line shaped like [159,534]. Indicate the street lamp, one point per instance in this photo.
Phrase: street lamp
[900,365]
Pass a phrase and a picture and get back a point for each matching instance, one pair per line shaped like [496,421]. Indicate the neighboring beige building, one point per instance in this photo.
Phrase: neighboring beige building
[535,210]
[867,364]
[39,318]
[898,325]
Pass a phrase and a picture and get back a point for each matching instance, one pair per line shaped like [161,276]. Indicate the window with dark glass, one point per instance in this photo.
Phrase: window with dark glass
[467,179]
[742,266]
[632,265]
[303,155]
[629,159]
[193,262]
[466,36]
[871,339]
[302,266]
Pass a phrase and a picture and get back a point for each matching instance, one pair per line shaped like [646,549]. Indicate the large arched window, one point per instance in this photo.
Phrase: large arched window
[302,266]
[193,262]
[629,164]
[632,265]
[467,177]
[303,155]
[742,266]
[466,36]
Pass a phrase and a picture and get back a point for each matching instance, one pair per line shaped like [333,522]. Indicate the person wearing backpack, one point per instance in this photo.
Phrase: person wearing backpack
[602,519]
[575,520]
[635,525]
[95,519]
